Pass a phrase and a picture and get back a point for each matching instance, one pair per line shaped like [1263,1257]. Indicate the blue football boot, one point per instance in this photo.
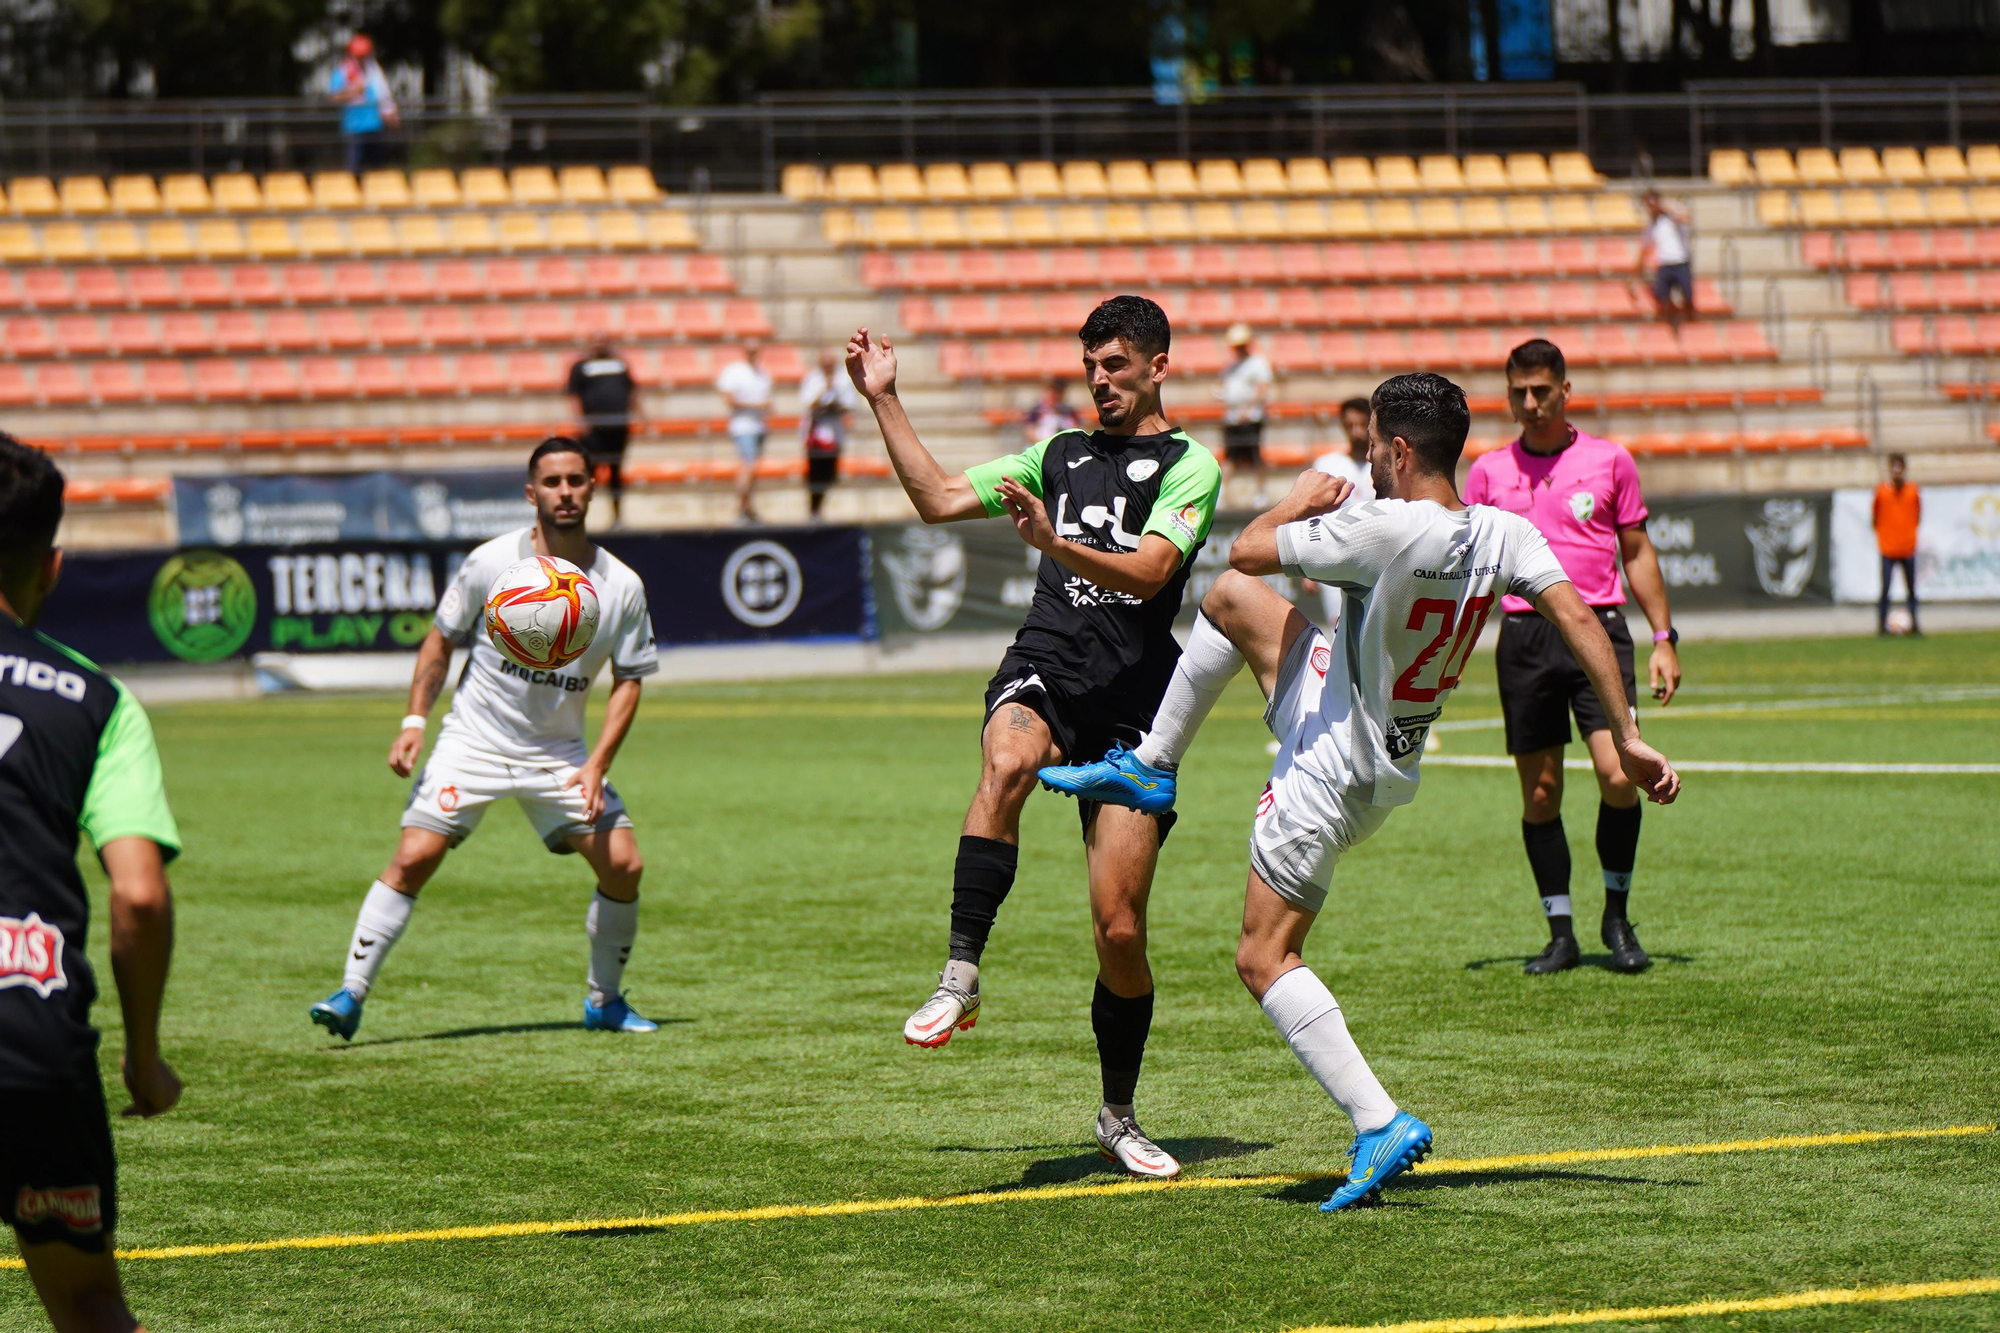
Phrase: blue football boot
[339,1013]
[1380,1156]
[615,1016]
[1120,778]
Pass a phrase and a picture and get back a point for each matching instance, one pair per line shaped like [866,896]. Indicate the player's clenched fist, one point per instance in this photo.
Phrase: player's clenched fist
[871,365]
[403,751]
[1317,492]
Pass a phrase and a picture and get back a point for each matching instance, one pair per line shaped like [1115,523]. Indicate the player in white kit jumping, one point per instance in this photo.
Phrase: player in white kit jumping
[1419,571]
[516,732]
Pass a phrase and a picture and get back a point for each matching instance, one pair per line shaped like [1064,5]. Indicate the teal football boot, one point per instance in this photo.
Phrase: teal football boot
[1120,778]
[339,1013]
[1380,1156]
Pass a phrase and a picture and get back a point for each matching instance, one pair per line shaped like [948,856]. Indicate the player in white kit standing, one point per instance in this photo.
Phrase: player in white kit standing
[1419,572]
[515,732]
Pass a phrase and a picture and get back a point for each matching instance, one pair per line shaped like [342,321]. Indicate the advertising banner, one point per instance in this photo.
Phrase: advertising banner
[303,508]
[1958,545]
[1743,550]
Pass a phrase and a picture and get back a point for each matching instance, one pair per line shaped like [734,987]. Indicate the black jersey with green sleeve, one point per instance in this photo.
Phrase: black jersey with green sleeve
[76,756]
[1107,492]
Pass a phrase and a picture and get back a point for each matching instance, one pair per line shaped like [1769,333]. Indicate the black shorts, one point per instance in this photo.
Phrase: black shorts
[821,472]
[58,1176]
[1084,726]
[604,446]
[1243,443]
[1541,684]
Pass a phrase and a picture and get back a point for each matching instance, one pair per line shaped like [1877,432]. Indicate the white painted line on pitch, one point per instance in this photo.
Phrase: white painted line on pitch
[1955,694]
[1717,765]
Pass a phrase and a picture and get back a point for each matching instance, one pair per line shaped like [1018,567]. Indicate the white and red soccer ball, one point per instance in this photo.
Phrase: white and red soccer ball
[542,613]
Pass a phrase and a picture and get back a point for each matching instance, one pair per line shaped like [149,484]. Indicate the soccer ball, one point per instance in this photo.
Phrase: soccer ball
[541,613]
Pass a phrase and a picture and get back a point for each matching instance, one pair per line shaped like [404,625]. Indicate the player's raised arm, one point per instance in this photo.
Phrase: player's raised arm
[938,496]
[1255,550]
[1591,646]
[433,664]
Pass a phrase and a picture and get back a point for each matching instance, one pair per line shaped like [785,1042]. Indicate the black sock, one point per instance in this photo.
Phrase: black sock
[1617,849]
[1548,857]
[1121,1026]
[979,884]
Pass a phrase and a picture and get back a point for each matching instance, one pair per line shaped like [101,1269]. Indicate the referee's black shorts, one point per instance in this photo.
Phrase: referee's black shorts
[1541,684]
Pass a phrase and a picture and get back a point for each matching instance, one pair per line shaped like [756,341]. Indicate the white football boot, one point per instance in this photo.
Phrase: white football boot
[1122,1141]
[950,1009]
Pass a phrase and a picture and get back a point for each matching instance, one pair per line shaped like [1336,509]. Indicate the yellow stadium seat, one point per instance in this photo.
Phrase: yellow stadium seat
[582,185]
[802,181]
[335,190]
[1260,220]
[18,243]
[471,233]
[1615,210]
[1347,218]
[1730,166]
[85,196]
[1947,206]
[1905,207]
[1775,167]
[1216,221]
[1128,224]
[385,189]
[947,183]
[1774,208]
[534,187]
[634,184]
[287,192]
[1571,212]
[1818,167]
[1982,161]
[1032,224]
[1175,179]
[1528,214]
[484,187]
[135,194]
[1862,208]
[571,230]
[1396,217]
[271,238]
[1440,173]
[1904,166]
[435,187]
[1219,178]
[1860,166]
[1128,180]
[65,242]
[1085,180]
[1486,172]
[1039,180]
[1945,166]
[1308,175]
[1818,208]
[892,226]
[670,229]
[1265,175]
[940,226]
[619,229]
[1353,175]
[116,242]
[1484,216]
[1984,201]
[1397,174]
[522,231]
[1529,171]
[317,237]
[993,183]
[1304,218]
[986,225]
[33,196]
[837,225]
[854,183]
[421,234]
[219,238]
[900,183]
[373,236]
[169,240]
[186,194]
[1572,171]
[1080,224]
[1439,217]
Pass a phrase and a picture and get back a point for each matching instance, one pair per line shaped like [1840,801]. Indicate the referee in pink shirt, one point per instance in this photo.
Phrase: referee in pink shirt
[1582,492]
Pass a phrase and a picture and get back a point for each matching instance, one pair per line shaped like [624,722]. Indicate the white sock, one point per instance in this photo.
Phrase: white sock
[1308,1017]
[1556,904]
[384,914]
[1208,663]
[1618,881]
[962,974]
[611,926]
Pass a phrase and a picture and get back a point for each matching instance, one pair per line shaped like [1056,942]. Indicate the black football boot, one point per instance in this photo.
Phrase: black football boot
[1626,955]
[1561,955]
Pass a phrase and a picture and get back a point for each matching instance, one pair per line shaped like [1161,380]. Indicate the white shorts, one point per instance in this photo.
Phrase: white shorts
[455,786]
[1303,824]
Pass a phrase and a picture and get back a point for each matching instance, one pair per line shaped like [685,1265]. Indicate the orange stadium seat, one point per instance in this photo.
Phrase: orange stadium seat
[133,335]
[28,338]
[608,275]
[496,325]
[379,376]
[339,330]
[60,384]
[558,277]
[290,331]
[238,331]
[444,326]
[220,381]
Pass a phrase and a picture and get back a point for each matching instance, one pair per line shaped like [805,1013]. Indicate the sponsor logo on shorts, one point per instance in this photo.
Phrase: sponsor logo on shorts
[78,1207]
[31,954]
[1322,658]
[447,798]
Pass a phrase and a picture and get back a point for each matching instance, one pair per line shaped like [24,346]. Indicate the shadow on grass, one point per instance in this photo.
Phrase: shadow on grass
[1600,961]
[1085,1165]
[498,1030]
[1315,1191]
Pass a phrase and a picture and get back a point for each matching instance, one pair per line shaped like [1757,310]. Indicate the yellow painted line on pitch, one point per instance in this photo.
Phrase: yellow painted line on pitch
[1642,1314]
[913,1203]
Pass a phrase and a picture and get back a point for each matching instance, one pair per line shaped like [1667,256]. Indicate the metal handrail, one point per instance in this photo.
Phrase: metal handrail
[1773,316]
[1819,353]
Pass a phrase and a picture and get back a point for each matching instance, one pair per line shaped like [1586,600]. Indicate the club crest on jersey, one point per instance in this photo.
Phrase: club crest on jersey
[1322,658]
[1583,504]
[78,1207]
[31,954]
[1141,468]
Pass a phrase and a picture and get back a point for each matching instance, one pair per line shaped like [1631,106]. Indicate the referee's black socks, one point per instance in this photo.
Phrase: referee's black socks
[1121,1026]
[1617,849]
[1548,857]
[979,884]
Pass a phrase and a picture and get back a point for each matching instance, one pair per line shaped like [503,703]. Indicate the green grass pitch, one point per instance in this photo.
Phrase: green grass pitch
[1827,952]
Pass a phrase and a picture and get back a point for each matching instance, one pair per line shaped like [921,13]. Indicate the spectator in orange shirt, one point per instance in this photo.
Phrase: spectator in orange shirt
[1898,510]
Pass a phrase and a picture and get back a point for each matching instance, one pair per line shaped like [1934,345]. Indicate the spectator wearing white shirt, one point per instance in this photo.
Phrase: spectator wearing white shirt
[1669,254]
[826,397]
[746,390]
[1246,388]
[1350,465]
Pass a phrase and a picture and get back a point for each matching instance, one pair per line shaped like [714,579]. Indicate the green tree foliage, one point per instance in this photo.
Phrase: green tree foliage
[170,48]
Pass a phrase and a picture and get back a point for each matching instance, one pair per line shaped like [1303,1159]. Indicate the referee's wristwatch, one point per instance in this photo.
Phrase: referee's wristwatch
[1669,636]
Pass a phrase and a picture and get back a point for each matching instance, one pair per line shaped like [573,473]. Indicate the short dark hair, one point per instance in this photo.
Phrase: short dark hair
[1140,322]
[556,444]
[1429,412]
[1899,458]
[1538,354]
[1357,405]
[31,506]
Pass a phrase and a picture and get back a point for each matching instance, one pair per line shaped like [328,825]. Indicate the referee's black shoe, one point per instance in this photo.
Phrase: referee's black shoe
[1626,955]
[1561,955]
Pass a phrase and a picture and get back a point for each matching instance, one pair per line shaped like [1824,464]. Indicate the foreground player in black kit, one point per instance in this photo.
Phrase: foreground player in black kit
[1118,515]
[76,753]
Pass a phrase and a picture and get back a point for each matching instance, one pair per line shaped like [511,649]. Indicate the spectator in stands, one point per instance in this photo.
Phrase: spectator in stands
[1351,464]
[826,397]
[607,399]
[746,390]
[1050,414]
[368,109]
[1245,389]
[1898,509]
[1669,254]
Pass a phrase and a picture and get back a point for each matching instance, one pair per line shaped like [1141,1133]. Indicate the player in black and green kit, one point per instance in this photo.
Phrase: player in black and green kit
[1118,514]
[76,754]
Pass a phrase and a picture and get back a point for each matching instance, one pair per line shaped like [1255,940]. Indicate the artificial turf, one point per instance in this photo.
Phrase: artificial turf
[1826,951]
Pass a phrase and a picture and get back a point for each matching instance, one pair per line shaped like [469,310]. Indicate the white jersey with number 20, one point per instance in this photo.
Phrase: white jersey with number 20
[1417,581]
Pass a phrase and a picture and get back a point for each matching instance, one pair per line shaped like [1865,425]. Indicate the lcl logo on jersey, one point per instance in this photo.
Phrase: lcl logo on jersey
[1111,520]
[31,954]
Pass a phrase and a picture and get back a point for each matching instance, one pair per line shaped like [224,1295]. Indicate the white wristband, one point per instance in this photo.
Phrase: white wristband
[417,720]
